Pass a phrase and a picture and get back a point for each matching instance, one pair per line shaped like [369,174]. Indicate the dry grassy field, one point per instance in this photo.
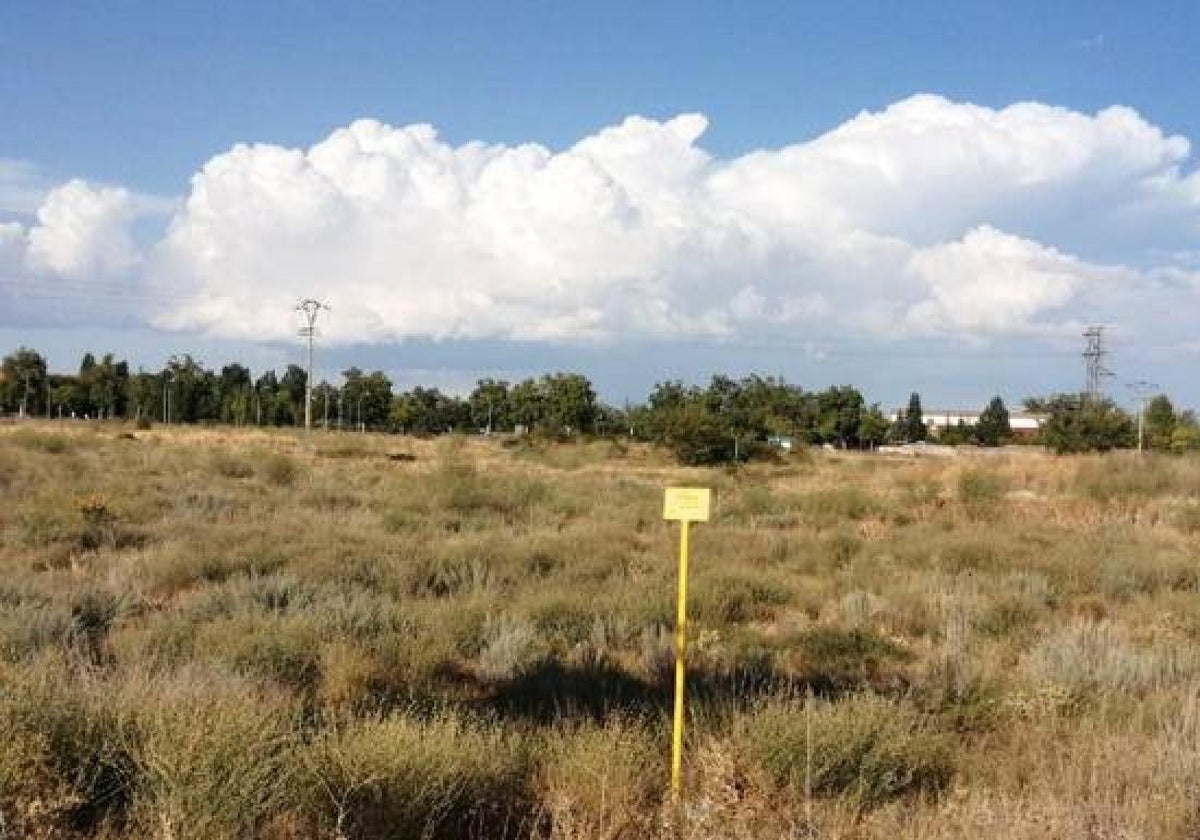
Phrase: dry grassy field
[223,634]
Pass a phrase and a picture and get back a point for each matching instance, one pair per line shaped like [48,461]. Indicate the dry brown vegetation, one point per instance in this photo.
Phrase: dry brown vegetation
[217,634]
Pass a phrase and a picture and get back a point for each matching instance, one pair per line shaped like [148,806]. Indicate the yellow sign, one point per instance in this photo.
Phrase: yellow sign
[687,504]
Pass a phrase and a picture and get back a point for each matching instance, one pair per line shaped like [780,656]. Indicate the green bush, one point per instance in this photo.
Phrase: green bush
[1079,424]
[863,749]
[697,436]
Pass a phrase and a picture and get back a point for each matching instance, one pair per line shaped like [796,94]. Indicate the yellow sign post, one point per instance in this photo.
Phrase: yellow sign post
[685,505]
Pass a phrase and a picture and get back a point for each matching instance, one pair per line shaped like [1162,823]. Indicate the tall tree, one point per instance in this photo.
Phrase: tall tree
[872,427]
[1160,420]
[570,403]
[913,423]
[993,427]
[840,410]
[490,406]
[23,382]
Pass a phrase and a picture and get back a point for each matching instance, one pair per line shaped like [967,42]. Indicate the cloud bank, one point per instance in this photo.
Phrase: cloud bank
[929,218]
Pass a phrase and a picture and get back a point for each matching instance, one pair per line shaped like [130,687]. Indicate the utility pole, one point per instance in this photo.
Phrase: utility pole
[166,398]
[25,395]
[310,308]
[47,396]
[1142,390]
[1093,359]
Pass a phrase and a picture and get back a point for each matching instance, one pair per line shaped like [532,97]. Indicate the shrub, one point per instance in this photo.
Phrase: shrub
[863,749]
[836,659]
[980,490]
[398,776]
[1090,657]
[737,597]
[602,781]
[50,443]
[29,623]
[93,614]
[279,470]
[1116,479]
[215,757]
[61,745]
[274,651]
[828,507]
[228,465]
[511,647]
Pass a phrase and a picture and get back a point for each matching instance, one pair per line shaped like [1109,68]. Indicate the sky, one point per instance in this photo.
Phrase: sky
[920,196]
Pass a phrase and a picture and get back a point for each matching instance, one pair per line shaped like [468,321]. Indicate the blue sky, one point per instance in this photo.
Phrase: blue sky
[136,98]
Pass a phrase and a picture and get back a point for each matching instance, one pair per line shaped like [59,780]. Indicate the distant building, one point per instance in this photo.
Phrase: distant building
[1023,423]
[784,442]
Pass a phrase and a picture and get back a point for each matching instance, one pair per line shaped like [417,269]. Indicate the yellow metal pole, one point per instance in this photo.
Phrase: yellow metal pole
[680,654]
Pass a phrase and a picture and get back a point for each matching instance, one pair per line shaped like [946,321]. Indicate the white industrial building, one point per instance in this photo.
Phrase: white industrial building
[1021,422]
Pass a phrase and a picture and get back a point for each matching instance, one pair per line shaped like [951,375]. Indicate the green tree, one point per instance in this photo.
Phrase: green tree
[427,411]
[294,383]
[325,403]
[839,412]
[266,407]
[489,406]
[698,436]
[993,427]
[526,404]
[145,396]
[234,385]
[376,400]
[1159,422]
[912,423]
[1078,424]
[23,382]
[872,427]
[193,390]
[1185,436]
[569,403]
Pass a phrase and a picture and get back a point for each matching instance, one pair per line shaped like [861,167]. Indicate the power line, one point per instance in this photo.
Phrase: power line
[310,308]
[1094,354]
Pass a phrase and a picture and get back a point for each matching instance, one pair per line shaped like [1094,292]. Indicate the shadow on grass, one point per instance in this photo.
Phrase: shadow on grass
[555,691]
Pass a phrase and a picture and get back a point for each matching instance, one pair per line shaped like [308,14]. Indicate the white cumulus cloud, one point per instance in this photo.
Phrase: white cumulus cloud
[929,217]
[83,231]
[990,281]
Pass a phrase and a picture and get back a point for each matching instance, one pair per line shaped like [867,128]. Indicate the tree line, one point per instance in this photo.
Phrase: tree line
[726,420]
